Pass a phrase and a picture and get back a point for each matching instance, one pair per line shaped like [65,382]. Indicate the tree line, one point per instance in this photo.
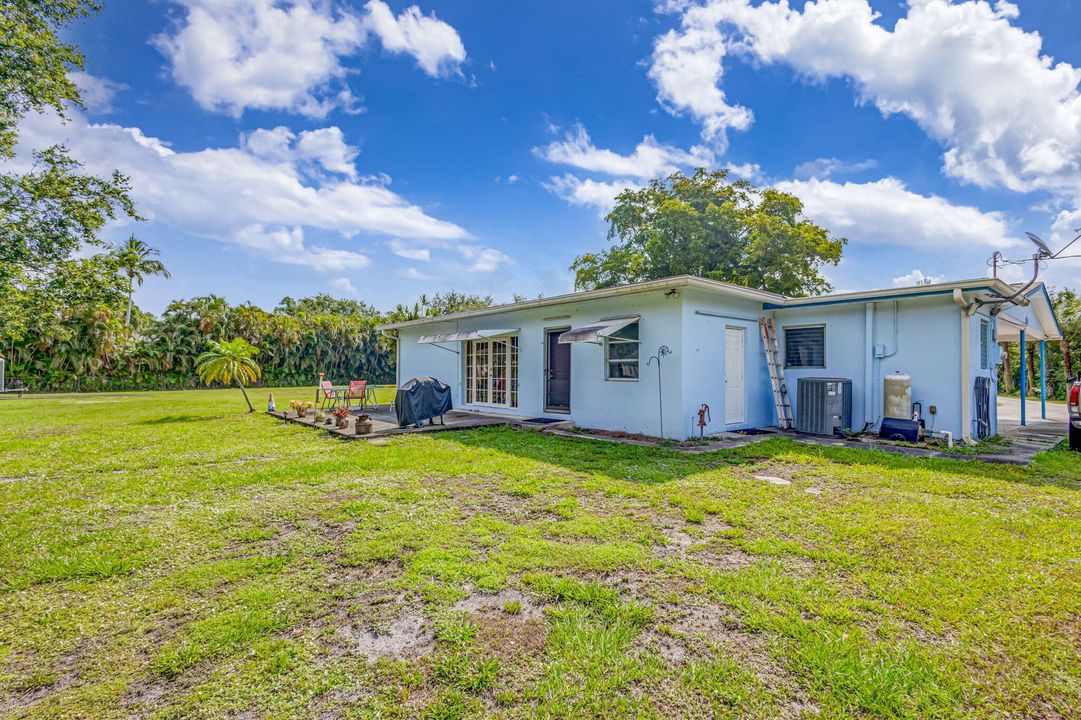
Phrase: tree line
[69,330]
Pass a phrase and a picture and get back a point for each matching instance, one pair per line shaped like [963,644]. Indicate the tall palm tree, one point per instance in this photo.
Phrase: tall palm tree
[227,361]
[137,261]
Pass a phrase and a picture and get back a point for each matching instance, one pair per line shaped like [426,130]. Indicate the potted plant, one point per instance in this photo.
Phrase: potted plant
[301,407]
[341,415]
[320,416]
[364,424]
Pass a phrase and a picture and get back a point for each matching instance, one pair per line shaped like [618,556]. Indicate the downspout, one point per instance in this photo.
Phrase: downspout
[397,356]
[869,365]
[966,398]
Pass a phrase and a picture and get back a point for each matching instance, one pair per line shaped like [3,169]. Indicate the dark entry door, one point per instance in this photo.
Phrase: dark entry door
[557,370]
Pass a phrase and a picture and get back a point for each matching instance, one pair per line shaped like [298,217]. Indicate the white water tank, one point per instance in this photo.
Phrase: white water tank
[897,396]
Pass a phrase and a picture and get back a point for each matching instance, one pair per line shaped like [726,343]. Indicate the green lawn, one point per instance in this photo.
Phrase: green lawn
[166,555]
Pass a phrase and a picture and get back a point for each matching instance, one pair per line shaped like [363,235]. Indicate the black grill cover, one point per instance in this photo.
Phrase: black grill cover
[420,399]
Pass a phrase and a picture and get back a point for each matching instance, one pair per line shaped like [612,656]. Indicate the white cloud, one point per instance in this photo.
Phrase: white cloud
[325,147]
[885,212]
[511,179]
[257,195]
[746,171]
[286,245]
[823,168]
[97,93]
[483,259]
[687,69]
[409,252]
[916,277]
[1007,114]
[588,192]
[650,159]
[260,54]
[234,55]
[434,44]
[343,284]
[413,274]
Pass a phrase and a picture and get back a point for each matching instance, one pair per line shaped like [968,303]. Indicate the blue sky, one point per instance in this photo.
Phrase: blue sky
[381,150]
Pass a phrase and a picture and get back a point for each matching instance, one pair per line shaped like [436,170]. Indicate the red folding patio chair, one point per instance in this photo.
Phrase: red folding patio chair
[330,395]
[357,391]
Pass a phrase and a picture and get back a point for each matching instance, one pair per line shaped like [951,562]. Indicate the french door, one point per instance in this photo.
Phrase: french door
[491,372]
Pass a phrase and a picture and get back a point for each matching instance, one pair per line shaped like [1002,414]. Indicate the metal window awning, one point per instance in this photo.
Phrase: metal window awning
[597,331]
[468,335]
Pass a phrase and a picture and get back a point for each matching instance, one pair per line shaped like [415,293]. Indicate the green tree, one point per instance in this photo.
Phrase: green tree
[452,302]
[324,304]
[228,361]
[707,226]
[47,213]
[1067,306]
[137,260]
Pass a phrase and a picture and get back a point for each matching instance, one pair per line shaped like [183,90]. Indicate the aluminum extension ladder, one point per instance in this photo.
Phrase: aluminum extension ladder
[781,402]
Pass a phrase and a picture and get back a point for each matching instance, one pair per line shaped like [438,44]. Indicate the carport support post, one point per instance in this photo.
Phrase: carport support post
[1024,378]
[1043,379]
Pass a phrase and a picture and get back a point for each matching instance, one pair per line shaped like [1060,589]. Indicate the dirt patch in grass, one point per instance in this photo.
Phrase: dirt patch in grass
[701,632]
[509,636]
[504,602]
[26,697]
[408,636]
[784,471]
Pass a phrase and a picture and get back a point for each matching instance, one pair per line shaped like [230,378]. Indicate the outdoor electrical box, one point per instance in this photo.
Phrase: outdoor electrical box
[823,405]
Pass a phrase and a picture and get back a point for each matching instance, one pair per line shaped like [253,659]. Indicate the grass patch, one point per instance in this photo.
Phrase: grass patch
[167,554]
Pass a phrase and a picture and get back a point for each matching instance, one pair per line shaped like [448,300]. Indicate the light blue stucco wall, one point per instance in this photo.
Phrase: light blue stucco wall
[927,348]
[921,337]
[705,318]
[630,406]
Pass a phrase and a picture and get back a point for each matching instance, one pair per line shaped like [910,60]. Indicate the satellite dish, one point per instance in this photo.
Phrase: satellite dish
[1044,250]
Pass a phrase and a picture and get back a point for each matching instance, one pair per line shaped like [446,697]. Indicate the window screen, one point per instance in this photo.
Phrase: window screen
[985,343]
[805,347]
[621,354]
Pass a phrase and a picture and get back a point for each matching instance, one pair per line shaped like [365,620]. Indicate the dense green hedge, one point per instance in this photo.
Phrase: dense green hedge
[92,350]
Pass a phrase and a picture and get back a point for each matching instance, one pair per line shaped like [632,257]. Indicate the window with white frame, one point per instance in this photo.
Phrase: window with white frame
[805,347]
[621,354]
[491,371]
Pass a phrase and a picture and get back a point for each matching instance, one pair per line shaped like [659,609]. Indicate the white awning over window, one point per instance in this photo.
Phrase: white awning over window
[597,331]
[469,335]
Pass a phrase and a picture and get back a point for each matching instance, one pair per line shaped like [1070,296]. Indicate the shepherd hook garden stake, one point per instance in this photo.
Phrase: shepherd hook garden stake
[662,351]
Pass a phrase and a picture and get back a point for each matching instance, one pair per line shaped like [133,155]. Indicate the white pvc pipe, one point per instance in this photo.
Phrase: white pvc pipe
[966,396]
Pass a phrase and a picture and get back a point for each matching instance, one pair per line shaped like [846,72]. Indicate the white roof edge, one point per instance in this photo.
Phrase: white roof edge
[677,281]
[999,286]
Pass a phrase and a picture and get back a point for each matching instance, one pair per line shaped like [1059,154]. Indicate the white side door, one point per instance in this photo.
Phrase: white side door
[734,395]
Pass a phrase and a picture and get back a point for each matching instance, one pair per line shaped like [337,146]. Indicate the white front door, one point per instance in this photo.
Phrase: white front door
[734,410]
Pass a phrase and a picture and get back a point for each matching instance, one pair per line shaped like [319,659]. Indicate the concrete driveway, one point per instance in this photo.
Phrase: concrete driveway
[1009,415]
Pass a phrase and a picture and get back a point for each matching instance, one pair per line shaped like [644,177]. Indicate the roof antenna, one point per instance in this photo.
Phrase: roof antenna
[1043,252]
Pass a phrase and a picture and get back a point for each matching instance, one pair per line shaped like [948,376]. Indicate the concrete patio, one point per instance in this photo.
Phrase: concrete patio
[384,422]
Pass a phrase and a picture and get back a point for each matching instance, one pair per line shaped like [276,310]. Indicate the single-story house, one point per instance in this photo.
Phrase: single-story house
[596,357]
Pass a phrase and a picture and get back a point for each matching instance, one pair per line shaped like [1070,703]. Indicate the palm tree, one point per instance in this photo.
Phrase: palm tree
[137,261]
[227,361]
